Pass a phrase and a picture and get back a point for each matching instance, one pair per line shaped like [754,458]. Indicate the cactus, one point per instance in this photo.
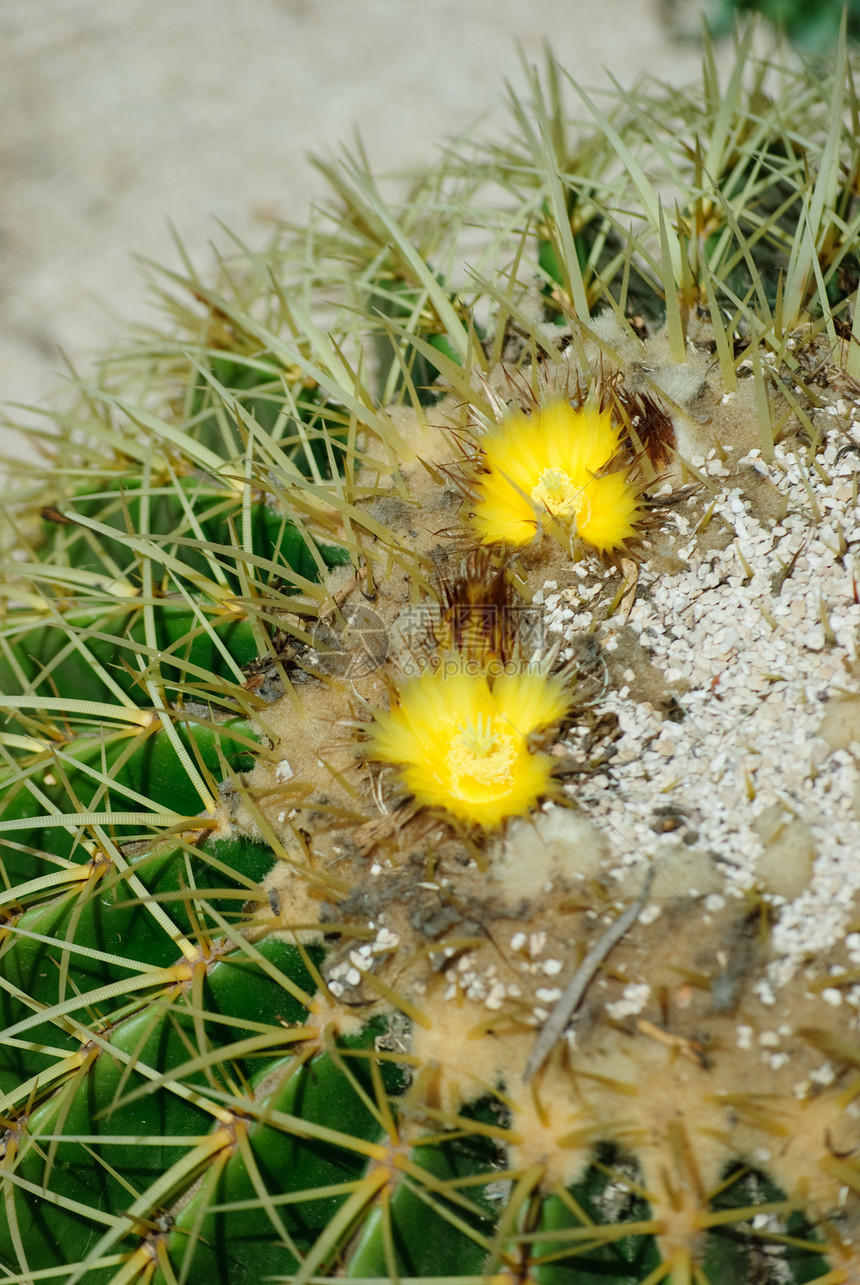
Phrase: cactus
[368,910]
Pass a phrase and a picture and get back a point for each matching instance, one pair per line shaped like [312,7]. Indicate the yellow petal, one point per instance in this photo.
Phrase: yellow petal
[582,442]
[517,450]
[504,516]
[531,700]
[610,513]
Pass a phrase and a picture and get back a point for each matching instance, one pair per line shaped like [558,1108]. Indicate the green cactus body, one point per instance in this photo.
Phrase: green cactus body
[348,699]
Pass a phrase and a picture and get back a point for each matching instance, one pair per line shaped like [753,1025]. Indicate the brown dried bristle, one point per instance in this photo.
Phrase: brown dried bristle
[479,611]
[647,426]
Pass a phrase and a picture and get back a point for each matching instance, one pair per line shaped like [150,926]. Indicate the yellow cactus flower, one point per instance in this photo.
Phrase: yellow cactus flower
[553,470]
[460,739]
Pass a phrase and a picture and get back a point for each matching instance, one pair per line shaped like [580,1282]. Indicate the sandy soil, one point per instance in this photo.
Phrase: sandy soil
[122,117]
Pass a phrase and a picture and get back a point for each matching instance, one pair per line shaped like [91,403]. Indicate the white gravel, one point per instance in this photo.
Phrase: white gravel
[756,667]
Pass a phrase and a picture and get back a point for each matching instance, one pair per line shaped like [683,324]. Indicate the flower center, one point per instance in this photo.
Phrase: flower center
[480,751]
[558,493]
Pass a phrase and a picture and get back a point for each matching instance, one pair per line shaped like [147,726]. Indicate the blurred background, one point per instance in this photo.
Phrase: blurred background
[121,117]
